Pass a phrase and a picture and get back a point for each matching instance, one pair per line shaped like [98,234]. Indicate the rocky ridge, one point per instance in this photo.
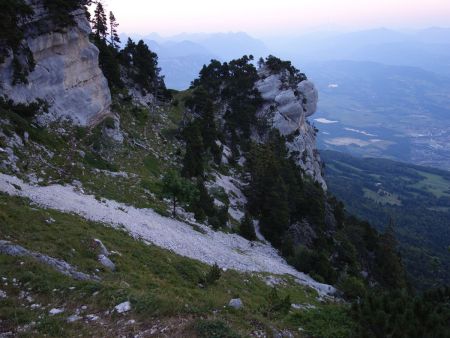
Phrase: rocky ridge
[287,108]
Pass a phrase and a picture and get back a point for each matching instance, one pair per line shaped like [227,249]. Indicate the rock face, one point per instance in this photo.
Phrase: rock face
[66,74]
[286,107]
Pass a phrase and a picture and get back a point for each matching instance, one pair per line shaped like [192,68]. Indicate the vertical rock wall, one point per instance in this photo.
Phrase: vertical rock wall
[66,75]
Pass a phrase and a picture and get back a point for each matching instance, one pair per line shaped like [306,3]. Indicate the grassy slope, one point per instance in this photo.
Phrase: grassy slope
[162,287]
[417,198]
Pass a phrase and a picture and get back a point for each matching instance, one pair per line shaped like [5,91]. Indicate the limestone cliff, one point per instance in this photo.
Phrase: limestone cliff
[66,74]
[287,106]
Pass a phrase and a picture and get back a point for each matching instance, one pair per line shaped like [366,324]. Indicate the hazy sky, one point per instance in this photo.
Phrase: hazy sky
[265,17]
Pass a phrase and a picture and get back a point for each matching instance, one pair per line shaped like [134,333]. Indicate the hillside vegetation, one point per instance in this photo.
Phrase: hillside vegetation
[212,165]
[416,199]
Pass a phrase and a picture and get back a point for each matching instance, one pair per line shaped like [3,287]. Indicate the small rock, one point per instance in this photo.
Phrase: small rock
[236,303]
[74,318]
[303,306]
[54,311]
[123,307]
[92,317]
[3,294]
[106,262]
[103,249]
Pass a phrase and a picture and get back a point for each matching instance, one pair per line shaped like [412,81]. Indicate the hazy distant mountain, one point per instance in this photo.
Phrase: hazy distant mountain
[182,56]
[233,45]
[373,109]
[428,49]
[434,35]
[386,99]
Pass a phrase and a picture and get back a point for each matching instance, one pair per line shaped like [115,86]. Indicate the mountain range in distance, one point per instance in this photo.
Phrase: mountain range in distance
[428,48]
[383,93]
[182,56]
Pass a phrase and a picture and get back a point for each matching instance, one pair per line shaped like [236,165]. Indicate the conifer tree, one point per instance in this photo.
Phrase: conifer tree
[177,189]
[247,230]
[389,261]
[114,37]
[100,23]
[203,204]
[193,162]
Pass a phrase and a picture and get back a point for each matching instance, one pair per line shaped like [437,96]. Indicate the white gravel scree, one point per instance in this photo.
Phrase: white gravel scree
[229,251]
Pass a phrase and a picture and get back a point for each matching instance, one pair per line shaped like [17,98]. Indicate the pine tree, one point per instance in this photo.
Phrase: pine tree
[114,37]
[127,53]
[146,63]
[100,23]
[193,162]
[177,189]
[267,192]
[390,266]
[247,229]
[203,205]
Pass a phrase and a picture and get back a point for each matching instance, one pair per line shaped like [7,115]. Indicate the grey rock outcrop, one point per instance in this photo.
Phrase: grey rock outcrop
[236,303]
[103,257]
[8,248]
[286,107]
[66,74]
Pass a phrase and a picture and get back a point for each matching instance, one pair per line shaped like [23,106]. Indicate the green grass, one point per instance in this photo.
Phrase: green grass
[435,184]
[151,163]
[328,322]
[160,284]
[348,166]
[177,108]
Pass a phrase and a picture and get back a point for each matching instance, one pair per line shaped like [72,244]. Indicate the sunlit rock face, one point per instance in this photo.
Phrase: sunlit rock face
[66,75]
[287,106]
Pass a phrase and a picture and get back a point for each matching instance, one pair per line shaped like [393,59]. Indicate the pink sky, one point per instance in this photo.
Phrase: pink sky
[272,17]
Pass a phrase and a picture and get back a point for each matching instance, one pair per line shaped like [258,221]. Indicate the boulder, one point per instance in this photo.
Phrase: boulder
[236,303]
[123,307]
[106,262]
